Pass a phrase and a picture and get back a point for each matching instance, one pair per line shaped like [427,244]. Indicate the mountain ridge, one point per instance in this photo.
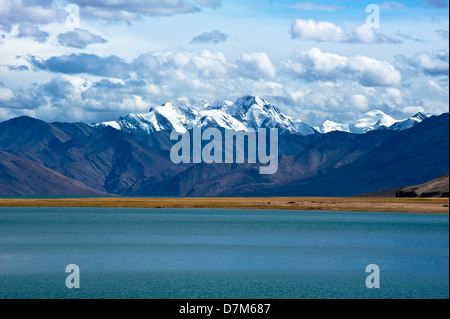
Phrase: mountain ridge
[245,114]
[338,163]
[370,121]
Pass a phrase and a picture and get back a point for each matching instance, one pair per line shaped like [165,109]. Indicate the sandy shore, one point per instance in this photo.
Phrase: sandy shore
[404,205]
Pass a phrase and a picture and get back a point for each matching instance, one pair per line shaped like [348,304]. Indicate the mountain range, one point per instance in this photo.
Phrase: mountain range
[131,156]
[373,120]
[246,114]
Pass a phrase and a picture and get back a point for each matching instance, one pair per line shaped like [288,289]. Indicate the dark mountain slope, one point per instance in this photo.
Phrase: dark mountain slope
[104,159]
[410,157]
[318,155]
[334,164]
[20,176]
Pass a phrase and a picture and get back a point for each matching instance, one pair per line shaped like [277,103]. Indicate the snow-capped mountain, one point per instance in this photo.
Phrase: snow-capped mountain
[408,123]
[247,113]
[373,120]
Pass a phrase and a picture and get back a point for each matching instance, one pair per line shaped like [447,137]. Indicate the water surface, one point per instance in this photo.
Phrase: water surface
[194,253]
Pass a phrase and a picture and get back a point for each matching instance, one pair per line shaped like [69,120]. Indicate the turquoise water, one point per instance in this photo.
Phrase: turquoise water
[192,253]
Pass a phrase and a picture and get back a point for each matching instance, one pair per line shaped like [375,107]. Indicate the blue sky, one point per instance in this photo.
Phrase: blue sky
[316,60]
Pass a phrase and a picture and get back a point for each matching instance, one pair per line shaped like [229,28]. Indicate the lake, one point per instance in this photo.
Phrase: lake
[221,254]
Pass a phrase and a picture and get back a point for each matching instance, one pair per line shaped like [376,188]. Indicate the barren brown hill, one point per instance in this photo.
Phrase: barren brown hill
[437,187]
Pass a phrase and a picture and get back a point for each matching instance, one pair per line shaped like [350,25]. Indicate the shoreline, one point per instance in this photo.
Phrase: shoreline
[376,204]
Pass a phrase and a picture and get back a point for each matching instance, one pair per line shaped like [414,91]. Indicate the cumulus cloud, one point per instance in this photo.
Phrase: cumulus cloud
[49,11]
[257,65]
[365,34]
[413,109]
[32,12]
[359,101]
[436,63]
[6,94]
[320,31]
[88,87]
[182,65]
[83,63]
[79,38]
[121,87]
[31,31]
[314,64]
[324,31]
[127,10]
[213,37]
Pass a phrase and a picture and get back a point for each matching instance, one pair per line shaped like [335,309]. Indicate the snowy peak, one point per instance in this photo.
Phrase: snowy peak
[419,116]
[254,112]
[373,120]
[247,105]
[161,118]
[243,105]
[370,121]
[408,123]
[218,118]
[331,126]
[247,113]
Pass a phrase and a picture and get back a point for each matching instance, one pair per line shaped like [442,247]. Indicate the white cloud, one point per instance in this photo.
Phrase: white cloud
[213,37]
[434,63]
[413,109]
[128,10]
[395,94]
[436,87]
[257,65]
[49,11]
[317,83]
[365,34]
[359,101]
[321,31]
[28,30]
[372,72]
[324,31]
[314,64]
[16,11]
[6,94]
[79,38]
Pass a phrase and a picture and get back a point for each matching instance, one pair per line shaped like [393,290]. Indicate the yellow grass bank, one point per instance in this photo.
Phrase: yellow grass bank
[404,205]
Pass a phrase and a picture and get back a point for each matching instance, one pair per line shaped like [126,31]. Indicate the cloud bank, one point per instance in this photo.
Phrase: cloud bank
[323,31]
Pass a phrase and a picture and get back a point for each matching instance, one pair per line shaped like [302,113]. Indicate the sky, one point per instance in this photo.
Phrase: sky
[97,60]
